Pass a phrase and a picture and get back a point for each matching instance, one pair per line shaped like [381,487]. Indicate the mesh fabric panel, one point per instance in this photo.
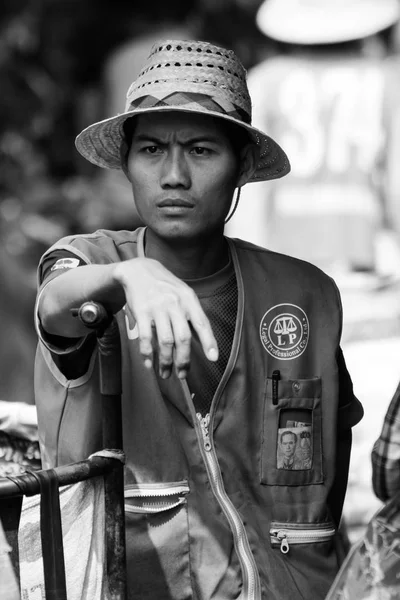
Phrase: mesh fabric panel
[204,376]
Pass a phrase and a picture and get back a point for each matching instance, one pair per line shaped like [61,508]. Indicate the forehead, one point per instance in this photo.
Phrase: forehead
[181,125]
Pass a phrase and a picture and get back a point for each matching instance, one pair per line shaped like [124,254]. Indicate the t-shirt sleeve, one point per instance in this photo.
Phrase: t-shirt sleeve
[350,408]
[71,355]
[56,263]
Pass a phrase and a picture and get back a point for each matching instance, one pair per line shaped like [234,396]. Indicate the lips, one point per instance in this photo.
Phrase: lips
[180,202]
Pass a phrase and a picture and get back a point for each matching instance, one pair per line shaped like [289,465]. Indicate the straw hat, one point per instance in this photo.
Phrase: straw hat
[325,21]
[188,76]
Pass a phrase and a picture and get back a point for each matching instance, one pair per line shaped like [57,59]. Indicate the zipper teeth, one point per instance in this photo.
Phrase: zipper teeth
[243,550]
[156,492]
[304,533]
[159,507]
[246,558]
[300,537]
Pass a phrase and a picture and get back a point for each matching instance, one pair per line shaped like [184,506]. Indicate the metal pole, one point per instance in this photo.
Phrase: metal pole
[96,317]
[110,387]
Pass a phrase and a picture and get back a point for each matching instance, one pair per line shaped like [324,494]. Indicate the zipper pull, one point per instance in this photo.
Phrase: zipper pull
[281,535]
[204,424]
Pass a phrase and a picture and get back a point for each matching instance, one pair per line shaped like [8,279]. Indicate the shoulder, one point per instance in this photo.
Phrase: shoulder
[101,237]
[290,264]
[286,273]
[103,245]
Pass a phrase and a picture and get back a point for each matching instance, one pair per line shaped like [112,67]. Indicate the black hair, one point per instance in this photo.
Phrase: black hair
[237,136]
[128,128]
[286,433]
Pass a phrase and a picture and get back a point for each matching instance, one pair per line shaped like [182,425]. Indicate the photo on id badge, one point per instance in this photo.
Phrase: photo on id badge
[294,451]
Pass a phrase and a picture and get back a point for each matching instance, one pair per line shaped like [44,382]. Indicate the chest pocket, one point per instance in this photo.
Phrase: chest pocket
[291,452]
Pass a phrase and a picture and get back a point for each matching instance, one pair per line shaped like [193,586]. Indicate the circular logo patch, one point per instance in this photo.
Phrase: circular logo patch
[284,331]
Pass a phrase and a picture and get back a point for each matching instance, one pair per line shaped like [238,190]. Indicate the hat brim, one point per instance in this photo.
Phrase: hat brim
[290,22]
[100,143]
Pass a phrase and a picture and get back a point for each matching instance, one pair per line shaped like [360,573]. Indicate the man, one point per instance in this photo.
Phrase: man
[220,341]
[288,445]
[289,457]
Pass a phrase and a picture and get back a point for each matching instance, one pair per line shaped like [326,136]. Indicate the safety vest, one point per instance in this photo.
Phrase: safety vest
[211,512]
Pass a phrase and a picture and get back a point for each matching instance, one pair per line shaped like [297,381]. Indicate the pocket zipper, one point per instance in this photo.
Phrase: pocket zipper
[156,497]
[283,535]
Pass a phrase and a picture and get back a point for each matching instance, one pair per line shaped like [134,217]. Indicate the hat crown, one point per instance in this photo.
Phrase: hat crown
[195,67]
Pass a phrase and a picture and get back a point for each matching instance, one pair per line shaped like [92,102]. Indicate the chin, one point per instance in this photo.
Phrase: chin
[180,231]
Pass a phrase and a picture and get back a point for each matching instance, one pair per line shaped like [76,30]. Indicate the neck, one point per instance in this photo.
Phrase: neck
[189,259]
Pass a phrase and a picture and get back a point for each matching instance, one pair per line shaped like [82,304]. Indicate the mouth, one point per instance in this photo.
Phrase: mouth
[175,202]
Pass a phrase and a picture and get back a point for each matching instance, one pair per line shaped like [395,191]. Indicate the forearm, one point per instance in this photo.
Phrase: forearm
[70,290]
[157,299]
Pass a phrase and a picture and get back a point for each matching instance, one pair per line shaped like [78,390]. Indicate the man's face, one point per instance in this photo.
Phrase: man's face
[288,444]
[183,172]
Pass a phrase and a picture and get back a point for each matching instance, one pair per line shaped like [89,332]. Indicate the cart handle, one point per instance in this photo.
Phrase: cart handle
[93,315]
[28,485]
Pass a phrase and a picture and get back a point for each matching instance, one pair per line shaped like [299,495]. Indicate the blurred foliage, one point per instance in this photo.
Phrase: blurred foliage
[51,57]
[50,51]
[41,194]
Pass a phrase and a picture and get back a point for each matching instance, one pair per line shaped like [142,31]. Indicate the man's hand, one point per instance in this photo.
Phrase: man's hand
[163,304]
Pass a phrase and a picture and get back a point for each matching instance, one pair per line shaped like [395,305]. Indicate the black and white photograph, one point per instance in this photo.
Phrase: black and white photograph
[200,300]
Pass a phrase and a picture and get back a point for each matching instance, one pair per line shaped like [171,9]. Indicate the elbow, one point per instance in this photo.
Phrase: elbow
[47,311]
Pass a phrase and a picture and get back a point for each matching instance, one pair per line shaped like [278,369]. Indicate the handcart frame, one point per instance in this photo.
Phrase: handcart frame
[47,482]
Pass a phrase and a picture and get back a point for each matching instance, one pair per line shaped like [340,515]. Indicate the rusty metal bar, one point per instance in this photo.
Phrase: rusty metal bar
[28,485]
[111,388]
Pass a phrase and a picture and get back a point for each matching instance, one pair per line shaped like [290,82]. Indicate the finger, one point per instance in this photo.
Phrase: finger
[145,339]
[202,327]
[183,338]
[166,344]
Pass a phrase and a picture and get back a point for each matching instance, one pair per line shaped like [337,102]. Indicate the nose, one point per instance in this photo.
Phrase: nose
[175,171]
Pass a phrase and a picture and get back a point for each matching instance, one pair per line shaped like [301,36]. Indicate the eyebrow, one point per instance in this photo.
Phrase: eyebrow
[144,137]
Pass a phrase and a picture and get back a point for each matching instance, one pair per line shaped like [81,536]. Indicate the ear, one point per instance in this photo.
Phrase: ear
[248,163]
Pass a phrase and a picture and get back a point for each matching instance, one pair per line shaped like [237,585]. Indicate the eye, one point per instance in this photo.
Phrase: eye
[152,150]
[200,151]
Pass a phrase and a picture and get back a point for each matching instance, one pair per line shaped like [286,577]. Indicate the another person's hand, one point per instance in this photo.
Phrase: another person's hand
[158,300]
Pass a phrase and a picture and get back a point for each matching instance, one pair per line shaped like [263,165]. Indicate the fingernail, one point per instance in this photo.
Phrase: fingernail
[182,374]
[147,363]
[165,374]
[213,354]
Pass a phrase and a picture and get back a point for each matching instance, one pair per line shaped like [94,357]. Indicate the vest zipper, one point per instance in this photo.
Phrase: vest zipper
[251,581]
[284,535]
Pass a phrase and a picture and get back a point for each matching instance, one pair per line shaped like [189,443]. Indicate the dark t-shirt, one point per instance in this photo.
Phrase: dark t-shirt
[218,295]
